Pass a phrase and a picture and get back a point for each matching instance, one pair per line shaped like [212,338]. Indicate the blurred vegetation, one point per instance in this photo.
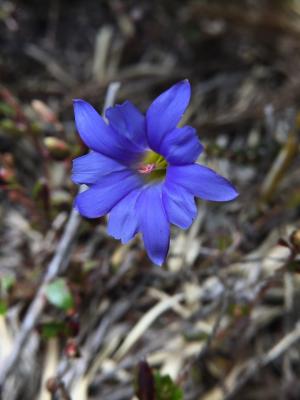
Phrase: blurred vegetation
[221,319]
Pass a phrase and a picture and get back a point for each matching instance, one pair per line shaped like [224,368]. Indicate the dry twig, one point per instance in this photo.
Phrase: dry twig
[56,266]
[241,377]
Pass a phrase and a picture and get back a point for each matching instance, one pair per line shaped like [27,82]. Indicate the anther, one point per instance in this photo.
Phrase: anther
[146,168]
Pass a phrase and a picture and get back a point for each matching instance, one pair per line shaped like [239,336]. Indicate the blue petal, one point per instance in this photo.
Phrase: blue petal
[153,223]
[128,122]
[179,204]
[99,199]
[123,221]
[202,182]
[181,146]
[97,135]
[166,111]
[91,167]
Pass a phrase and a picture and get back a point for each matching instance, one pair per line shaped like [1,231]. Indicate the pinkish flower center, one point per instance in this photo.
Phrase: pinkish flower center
[152,166]
[146,168]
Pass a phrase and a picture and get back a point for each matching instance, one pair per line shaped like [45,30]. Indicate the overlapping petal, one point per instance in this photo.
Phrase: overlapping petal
[181,146]
[97,135]
[129,123]
[123,218]
[165,112]
[179,205]
[101,197]
[91,167]
[153,223]
[121,183]
[202,182]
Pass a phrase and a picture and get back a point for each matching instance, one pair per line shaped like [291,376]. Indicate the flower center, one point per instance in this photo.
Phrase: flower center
[152,166]
[146,168]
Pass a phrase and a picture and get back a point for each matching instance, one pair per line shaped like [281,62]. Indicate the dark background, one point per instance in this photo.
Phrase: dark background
[236,268]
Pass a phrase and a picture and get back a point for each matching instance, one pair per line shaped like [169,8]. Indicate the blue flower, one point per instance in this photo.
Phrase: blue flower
[142,170]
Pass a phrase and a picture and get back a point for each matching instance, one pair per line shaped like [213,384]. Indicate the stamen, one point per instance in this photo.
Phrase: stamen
[146,168]
[152,166]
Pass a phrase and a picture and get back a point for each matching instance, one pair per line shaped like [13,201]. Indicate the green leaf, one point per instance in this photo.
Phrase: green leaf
[6,110]
[58,294]
[3,307]
[6,283]
[166,389]
[53,329]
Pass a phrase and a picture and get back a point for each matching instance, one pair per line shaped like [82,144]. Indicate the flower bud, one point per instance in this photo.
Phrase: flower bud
[57,148]
[6,176]
[52,385]
[44,111]
[72,350]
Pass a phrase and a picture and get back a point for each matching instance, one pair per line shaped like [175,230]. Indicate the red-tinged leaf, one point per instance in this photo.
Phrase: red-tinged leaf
[145,382]
[282,242]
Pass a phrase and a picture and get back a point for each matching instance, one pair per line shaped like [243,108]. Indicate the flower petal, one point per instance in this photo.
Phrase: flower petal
[91,167]
[123,221]
[97,135]
[202,182]
[153,223]
[128,122]
[181,146]
[99,199]
[166,111]
[179,204]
